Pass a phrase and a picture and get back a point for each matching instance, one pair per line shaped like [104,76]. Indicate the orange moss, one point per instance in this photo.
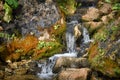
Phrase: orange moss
[25,45]
[93,50]
[109,65]
[39,53]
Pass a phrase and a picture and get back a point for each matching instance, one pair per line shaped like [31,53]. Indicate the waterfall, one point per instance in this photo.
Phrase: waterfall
[70,38]
[86,38]
[46,68]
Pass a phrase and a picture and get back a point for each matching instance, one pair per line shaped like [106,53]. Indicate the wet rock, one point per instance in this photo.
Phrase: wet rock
[74,74]
[68,62]
[33,68]
[92,14]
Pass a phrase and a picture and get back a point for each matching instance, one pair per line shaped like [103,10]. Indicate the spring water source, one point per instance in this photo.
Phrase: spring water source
[46,67]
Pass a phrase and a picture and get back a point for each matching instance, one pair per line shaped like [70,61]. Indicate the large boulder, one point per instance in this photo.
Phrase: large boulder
[68,62]
[40,27]
[92,14]
[74,74]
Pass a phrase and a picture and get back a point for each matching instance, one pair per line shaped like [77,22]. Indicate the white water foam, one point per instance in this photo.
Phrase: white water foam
[46,72]
[86,37]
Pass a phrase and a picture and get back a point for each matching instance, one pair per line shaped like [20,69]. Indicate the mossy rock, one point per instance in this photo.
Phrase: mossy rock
[104,53]
[105,59]
[67,6]
[47,49]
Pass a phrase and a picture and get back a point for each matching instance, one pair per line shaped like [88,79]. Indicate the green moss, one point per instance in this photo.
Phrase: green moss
[51,52]
[67,6]
[117,71]
[100,36]
[103,63]
[46,49]
[45,44]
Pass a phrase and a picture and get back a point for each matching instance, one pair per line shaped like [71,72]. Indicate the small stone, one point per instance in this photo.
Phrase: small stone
[105,19]
[8,70]
[77,31]
[105,8]
[13,65]
[1,28]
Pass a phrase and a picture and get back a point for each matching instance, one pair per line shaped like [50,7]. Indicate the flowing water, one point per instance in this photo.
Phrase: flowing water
[46,67]
[86,38]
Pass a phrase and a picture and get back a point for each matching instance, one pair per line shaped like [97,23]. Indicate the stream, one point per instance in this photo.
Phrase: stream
[51,41]
[46,67]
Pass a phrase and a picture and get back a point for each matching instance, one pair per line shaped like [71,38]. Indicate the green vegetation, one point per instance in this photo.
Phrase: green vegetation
[9,5]
[67,6]
[100,36]
[4,35]
[115,4]
[101,51]
[8,13]
[7,36]
[110,31]
[117,71]
[12,3]
[44,44]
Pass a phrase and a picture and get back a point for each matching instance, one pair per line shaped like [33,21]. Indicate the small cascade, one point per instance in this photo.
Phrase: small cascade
[85,42]
[70,39]
[86,38]
[46,68]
